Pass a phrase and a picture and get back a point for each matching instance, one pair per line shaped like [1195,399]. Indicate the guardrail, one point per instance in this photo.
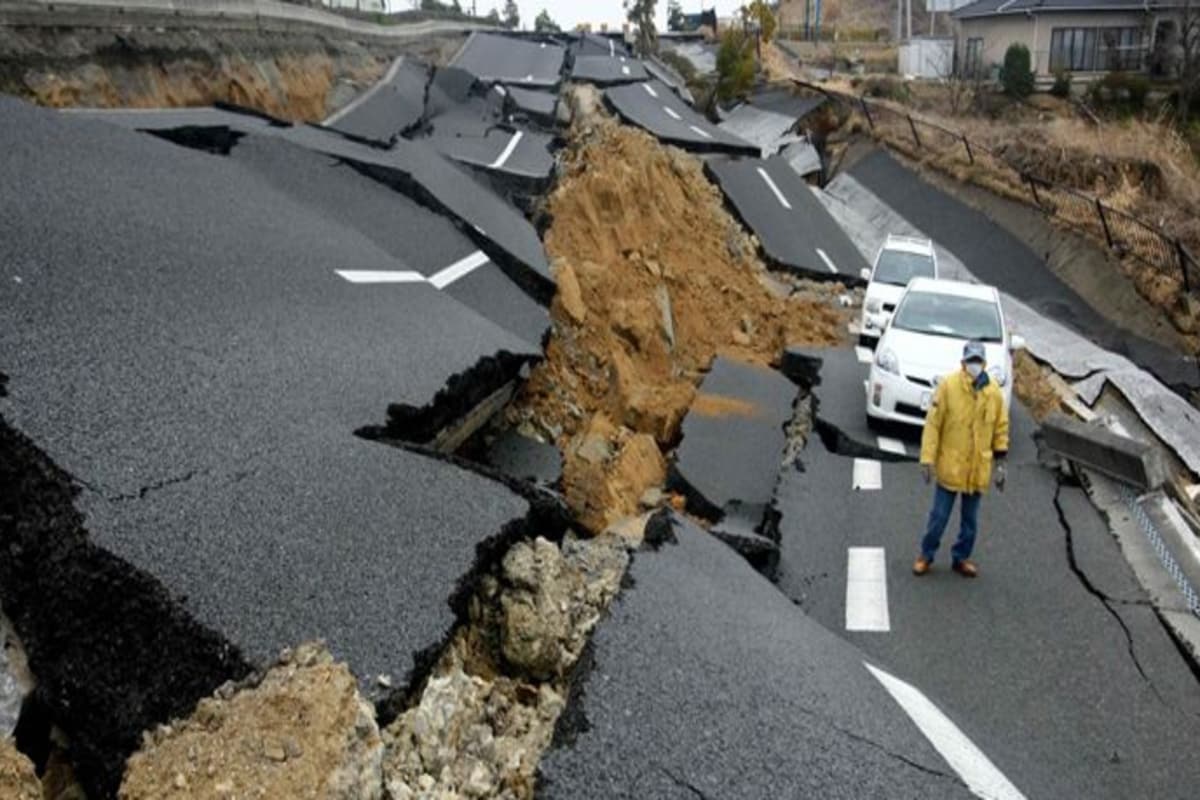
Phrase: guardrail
[1122,232]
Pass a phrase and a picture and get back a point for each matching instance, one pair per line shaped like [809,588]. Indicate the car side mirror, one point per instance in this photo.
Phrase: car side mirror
[865,273]
[1016,342]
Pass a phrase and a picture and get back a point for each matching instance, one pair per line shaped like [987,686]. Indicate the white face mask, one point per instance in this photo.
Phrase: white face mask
[974,368]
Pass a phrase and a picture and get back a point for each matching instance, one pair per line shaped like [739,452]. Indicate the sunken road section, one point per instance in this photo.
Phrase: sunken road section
[183,351]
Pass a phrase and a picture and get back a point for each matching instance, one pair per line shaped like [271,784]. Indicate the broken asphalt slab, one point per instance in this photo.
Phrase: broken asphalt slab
[997,257]
[540,107]
[509,60]
[605,70]
[795,230]
[705,681]
[1068,692]
[389,108]
[521,154]
[653,106]
[184,350]
[733,443]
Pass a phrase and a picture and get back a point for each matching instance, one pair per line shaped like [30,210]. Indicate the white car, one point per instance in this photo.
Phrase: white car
[901,259]
[923,342]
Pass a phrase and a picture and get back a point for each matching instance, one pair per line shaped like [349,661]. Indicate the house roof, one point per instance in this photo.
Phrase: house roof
[992,8]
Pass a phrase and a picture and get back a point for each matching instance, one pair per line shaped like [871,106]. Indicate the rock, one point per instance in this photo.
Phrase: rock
[655,408]
[18,781]
[741,338]
[570,296]
[306,713]
[15,680]
[664,308]
[652,498]
[594,449]
[536,624]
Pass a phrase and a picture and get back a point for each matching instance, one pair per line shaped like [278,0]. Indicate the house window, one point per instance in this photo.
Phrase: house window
[973,58]
[1095,49]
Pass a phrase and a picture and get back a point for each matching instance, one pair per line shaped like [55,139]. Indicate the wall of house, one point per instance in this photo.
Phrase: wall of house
[1034,32]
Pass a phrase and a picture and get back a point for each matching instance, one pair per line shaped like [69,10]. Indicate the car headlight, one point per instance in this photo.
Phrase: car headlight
[999,375]
[886,360]
[874,305]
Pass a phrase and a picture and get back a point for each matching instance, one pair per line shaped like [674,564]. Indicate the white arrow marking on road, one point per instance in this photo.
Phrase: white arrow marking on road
[671,113]
[863,354]
[977,771]
[368,276]
[867,476]
[458,269]
[828,263]
[889,445]
[762,173]
[866,590]
[701,131]
[649,90]
[508,150]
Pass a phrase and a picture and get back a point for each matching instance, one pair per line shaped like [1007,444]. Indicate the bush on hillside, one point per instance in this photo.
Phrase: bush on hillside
[1016,76]
[1062,84]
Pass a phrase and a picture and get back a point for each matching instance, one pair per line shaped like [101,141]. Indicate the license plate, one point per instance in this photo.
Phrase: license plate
[926,398]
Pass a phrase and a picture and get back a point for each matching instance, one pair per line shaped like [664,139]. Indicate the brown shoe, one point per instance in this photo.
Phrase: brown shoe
[921,566]
[966,568]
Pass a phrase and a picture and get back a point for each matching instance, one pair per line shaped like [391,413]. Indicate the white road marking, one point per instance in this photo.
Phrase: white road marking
[866,590]
[762,173]
[529,78]
[977,771]
[362,98]
[863,354]
[508,150]
[500,89]
[828,263]
[624,70]
[671,113]
[368,276]
[701,131]
[612,50]
[458,269]
[649,90]
[867,475]
[889,445]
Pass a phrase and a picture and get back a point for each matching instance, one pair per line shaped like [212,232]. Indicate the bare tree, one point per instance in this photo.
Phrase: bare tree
[1189,61]
[641,14]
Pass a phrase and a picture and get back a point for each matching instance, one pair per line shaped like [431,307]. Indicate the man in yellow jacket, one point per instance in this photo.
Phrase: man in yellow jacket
[966,431]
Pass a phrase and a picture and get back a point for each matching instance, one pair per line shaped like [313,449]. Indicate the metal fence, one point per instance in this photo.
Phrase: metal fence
[1123,233]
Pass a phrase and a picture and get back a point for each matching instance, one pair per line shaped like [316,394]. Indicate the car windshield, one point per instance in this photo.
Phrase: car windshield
[898,267]
[949,315]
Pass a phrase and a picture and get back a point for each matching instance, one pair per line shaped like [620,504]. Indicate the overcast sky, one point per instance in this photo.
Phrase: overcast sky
[569,13]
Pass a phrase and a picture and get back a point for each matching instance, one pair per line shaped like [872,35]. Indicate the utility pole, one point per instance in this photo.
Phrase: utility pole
[899,23]
[908,25]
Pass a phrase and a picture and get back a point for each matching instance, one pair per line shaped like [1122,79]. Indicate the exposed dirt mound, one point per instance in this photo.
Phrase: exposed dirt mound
[303,732]
[655,278]
[1031,383]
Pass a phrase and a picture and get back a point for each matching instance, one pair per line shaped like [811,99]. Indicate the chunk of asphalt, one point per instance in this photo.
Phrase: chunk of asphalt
[606,70]
[183,349]
[501,59]
[795,230]
[758,126]
[421,239]
[389,108]
[997,257]
[760,700]
[652,105]
[664,72]
[526,459]
[591,44]
[540,107]
[733,443]
[1116,456]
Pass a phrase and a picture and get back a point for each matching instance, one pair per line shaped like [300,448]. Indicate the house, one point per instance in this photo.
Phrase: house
[1086,38]
[357,5]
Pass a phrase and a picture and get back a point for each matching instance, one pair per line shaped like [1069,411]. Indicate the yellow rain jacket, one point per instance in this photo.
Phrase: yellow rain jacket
[964,428]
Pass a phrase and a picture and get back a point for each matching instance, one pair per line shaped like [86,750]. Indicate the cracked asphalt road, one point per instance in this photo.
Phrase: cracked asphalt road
[1051,662]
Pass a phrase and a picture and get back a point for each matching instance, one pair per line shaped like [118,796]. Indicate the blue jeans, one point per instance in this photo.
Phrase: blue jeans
[939,515]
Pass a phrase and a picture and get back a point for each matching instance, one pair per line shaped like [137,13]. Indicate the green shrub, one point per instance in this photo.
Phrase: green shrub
[1062,84]
[1122,92]
[887,88]
[1016,76]
[735,64]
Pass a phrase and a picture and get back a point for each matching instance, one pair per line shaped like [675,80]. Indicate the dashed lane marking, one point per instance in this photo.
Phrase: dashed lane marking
[866,590]
[976,770]
[650,90]
[825,258]
[612,50]
[701,131]
[867,475]
[365,96]
[624,70]
[783,201]
[508,150]
[863,354]
[369,276]
[889,445]
[458,269]
[671,113]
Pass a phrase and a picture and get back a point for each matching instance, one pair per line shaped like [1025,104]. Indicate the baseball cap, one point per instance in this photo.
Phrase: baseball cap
[973,351]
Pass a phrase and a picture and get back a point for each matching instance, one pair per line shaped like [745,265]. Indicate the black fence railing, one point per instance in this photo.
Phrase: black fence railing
[1123,233]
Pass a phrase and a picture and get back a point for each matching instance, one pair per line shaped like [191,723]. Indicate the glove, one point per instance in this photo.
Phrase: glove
[927,473]
[1000,475]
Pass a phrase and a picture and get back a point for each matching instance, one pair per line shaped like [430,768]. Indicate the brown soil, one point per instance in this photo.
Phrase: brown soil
[716,405]
[1032,387]
[303,732]
[17,778]
[658,279]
